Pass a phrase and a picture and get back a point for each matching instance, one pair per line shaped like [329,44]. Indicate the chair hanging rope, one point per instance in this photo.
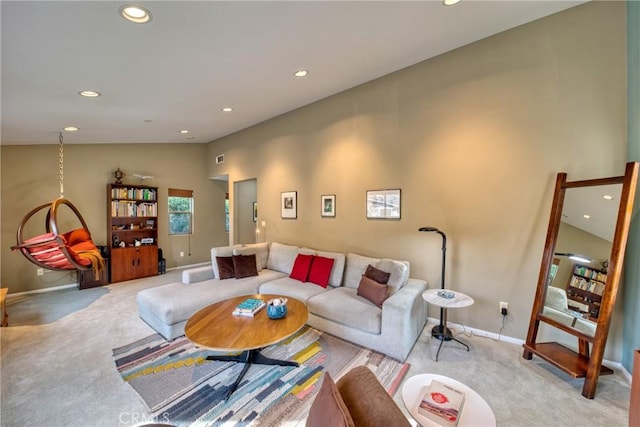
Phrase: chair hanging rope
[61,164]
[52,250]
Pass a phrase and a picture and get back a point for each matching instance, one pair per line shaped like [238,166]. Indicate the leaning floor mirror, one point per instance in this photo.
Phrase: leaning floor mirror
[580,272]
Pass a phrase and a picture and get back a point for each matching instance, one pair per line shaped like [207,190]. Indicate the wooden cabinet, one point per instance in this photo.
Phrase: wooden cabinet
[132,230]
[133,262]
[585,289]
[87,278]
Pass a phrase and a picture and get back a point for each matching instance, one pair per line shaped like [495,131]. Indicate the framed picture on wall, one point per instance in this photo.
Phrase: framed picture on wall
[383,204]
[289,204]
[328,205]
[255,211]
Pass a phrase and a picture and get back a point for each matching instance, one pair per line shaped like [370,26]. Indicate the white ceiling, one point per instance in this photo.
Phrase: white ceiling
[196,57]
[589,201]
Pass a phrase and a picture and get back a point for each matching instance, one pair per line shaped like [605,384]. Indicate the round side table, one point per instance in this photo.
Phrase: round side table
[476,411]
[441,331]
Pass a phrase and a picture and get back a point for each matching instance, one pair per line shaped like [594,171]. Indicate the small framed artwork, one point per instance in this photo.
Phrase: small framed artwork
[328,205]
[383,204]
[255,211]
[289,204]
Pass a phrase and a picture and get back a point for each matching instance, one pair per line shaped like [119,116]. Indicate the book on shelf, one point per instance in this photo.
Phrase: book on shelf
[249,307]
[442,404]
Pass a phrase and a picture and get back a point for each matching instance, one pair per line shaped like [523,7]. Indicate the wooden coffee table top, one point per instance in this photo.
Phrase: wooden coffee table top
[215,328]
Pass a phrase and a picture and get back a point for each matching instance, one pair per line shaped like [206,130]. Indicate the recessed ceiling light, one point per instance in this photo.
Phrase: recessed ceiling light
[137,14]
[227,109]
[89,93]
[607,197]
[301,73]
[586,216]
[184,131]
[450,2]
[71,129]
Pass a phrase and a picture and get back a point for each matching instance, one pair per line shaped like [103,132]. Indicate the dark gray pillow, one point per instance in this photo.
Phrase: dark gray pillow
[225,267]
[378,275]
[245,265]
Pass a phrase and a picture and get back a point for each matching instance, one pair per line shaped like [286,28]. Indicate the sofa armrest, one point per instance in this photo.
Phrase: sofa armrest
[376,409]
[197,274]
[405,311]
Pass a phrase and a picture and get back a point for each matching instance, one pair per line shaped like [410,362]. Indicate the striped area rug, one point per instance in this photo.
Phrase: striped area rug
[179,386]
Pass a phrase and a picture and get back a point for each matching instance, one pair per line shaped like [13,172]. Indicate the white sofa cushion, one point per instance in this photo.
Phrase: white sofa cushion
[335,279]
[291,288]
[220,251]
[344,306]
[556,298]
[355,268]
[282,257]
[249,251]
[399,271]
[262,253]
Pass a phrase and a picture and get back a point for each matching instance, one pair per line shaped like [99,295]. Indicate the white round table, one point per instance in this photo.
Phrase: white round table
[441,331]
[476,411]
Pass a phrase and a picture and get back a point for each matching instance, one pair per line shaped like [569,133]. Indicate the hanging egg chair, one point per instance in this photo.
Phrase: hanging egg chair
[54,250]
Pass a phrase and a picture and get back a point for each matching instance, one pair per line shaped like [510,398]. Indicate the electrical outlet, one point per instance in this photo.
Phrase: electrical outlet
[181,254]
[40,272]
[504,308]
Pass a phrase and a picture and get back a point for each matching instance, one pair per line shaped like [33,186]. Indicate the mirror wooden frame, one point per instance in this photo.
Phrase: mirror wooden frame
[585,363]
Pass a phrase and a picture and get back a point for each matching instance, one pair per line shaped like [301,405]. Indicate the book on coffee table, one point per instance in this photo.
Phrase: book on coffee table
[249,307]
[442,404]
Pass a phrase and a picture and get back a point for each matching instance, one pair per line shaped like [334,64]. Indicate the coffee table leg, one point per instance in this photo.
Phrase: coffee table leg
[248,358]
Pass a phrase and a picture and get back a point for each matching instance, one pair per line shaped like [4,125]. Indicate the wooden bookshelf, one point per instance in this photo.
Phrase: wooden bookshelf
[132,230]
[585,287]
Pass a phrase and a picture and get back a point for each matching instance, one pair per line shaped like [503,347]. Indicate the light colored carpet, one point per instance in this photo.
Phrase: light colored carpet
[56,367]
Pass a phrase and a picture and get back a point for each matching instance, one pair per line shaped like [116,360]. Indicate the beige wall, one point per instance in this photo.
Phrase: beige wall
[244,227]
[30,178]
[574,240]
[474,138]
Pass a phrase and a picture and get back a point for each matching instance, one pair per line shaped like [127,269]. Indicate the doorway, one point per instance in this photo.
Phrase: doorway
[245,195]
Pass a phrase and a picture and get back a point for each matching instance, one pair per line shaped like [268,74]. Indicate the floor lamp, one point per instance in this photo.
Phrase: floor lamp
[440,331]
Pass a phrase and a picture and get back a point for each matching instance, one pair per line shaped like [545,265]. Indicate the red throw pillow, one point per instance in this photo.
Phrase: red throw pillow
[226,267]
[320,271]
[300,270]
[373,291]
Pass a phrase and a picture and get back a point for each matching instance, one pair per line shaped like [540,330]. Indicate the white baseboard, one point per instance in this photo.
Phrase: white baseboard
[466,330]
[39,291]
[459,329]
[73,285]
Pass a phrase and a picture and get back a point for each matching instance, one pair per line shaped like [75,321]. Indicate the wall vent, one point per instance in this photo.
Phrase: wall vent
[220,159]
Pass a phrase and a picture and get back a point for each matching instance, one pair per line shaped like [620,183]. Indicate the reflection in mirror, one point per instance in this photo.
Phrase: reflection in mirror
[583,247]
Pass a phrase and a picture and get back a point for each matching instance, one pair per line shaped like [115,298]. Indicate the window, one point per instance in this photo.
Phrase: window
[226,212]
[180,211]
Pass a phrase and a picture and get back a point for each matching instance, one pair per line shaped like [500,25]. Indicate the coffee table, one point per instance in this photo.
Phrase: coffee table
[215,328]
[475,412]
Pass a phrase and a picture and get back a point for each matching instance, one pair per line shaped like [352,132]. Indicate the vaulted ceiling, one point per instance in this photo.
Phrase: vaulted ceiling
[177,72]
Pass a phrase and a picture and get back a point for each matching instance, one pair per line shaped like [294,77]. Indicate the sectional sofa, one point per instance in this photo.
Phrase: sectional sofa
[556,307]
[392,327]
